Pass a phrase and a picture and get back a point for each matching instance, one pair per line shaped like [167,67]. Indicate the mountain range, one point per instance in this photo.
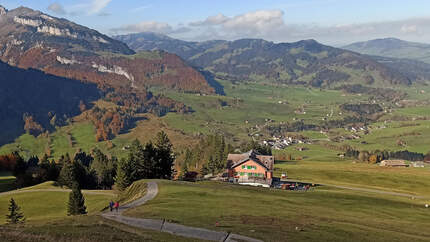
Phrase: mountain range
[304,62]
[52,52]
[392,47]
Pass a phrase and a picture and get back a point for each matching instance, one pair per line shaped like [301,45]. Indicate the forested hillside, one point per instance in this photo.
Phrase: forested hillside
[36,102]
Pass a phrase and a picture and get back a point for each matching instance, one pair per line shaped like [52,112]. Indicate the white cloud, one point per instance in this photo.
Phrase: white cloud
[252,24]
[96,6]
[89,7]
[409,28]
[271,25]
[57,8]
[211,20]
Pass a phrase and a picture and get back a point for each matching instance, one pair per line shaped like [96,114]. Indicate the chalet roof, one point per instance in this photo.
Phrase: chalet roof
[267,161]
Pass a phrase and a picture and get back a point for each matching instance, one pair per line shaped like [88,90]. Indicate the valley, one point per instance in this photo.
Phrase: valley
[330,144]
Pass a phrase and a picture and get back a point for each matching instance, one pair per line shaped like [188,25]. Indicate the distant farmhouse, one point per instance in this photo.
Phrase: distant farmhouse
[251,168]
[393,163]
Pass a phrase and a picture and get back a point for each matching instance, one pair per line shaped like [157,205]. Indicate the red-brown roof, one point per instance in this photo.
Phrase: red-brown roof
[267,161]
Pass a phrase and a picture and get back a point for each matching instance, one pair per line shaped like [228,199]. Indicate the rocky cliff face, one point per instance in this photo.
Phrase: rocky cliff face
[34,26]
[32,39]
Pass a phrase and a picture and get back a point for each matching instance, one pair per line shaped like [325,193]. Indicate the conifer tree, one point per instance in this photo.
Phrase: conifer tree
[122,178]
[104,169]
[148,167]
[164,158]
[67,176]
[15,216]
[76,204]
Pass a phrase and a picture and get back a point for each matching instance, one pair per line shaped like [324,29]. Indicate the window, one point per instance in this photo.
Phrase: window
[243,167]
[242,173]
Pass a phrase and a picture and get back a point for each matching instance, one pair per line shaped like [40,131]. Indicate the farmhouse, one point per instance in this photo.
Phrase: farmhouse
[250,168]
[393,163]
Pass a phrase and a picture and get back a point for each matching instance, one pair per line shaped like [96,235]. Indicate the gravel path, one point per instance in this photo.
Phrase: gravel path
[172,228]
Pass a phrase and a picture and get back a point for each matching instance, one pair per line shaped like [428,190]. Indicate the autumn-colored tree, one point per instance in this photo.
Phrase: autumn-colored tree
[373,159]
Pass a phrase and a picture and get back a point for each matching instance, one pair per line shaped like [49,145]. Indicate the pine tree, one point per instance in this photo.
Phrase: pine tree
[104,169]
[20,165]
[122,178]
[76,204]
[67,176]
[15,216]
[147,166]
[164,158]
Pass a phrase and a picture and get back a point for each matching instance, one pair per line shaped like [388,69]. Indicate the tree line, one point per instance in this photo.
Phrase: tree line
[154,160]
[95,170]
[378,156]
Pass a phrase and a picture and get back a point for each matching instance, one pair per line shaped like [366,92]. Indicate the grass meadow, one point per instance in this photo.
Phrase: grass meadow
[322,214]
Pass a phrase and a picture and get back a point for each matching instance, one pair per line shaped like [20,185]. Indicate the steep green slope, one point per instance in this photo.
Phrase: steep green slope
[38,101]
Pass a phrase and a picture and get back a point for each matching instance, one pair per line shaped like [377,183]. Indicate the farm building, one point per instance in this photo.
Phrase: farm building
[251,168]
[393,163]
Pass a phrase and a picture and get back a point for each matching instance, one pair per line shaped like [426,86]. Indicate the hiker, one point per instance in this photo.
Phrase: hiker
[111,205]
[116,206]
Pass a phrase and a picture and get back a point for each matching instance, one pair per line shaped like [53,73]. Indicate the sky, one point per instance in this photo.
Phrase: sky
[335,22]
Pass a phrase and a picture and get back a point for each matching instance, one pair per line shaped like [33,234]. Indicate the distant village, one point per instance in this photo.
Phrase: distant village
[280,143]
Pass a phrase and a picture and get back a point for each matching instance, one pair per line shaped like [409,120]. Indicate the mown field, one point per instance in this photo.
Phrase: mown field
[323,214]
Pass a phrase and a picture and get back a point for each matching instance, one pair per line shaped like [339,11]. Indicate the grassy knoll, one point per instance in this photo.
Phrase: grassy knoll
[40,206]
[133,192]
[45,212]
[274,215]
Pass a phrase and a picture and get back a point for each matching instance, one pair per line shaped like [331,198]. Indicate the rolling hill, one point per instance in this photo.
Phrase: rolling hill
[392,47]
[305,62]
